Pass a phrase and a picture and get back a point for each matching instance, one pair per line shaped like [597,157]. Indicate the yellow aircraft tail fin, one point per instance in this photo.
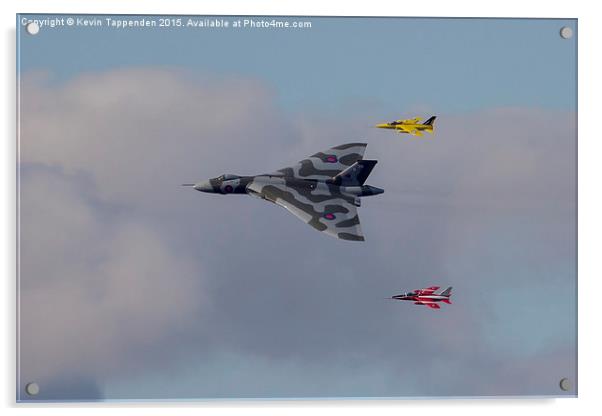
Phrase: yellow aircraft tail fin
[430,121]
[430,125]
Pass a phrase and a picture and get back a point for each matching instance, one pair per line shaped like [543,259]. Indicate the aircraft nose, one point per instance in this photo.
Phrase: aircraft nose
[204,186]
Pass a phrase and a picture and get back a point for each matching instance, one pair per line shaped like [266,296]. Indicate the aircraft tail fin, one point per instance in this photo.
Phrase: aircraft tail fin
[356,174]
[446,301]
[430,121]
[446,292]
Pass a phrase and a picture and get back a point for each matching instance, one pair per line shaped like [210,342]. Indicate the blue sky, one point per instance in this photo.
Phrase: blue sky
[134,288]
[453,65]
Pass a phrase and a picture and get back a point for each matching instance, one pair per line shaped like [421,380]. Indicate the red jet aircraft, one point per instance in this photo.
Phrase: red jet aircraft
[426,296]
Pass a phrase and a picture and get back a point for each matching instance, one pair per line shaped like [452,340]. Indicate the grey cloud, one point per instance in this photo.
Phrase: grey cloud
[98,296]
[488,210]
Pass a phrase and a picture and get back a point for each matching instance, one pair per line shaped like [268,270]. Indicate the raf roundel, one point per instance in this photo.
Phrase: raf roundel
[228,188]
[329,216]
[331,159]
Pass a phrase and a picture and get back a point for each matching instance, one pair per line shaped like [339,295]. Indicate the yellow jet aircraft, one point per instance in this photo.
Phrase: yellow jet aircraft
[411,126]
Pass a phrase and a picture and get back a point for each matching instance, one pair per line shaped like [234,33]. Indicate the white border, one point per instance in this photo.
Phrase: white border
[590,206]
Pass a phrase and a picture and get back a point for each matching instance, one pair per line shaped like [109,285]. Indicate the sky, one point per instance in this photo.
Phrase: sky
[133,288]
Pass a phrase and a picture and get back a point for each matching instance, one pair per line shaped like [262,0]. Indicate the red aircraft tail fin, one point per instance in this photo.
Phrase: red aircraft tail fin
[446,301]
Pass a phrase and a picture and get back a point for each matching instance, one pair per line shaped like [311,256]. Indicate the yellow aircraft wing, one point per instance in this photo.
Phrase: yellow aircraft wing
[410,120]
[403,128]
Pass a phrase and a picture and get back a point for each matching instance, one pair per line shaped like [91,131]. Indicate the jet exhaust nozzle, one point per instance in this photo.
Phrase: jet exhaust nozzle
[371,190]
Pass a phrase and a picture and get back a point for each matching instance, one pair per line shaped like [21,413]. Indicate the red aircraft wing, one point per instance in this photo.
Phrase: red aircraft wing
[431,305]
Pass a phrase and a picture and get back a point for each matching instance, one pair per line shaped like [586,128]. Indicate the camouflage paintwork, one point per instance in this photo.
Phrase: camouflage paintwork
[323,190]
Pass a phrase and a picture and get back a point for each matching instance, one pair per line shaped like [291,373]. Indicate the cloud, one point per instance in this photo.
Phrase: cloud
[98,296]
[127,276]
[171,119]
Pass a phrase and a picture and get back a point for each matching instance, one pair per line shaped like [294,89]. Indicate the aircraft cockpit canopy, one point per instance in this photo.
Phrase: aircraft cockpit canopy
[227,177]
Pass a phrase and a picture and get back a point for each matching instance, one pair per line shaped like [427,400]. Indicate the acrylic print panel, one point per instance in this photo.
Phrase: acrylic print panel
[458,280]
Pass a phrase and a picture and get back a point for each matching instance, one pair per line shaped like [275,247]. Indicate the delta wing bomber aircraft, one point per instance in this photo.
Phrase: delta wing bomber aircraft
[323,190]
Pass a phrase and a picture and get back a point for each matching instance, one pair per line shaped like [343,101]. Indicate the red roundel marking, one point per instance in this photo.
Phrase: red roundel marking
[331,159]
[228,188]
[329,216]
